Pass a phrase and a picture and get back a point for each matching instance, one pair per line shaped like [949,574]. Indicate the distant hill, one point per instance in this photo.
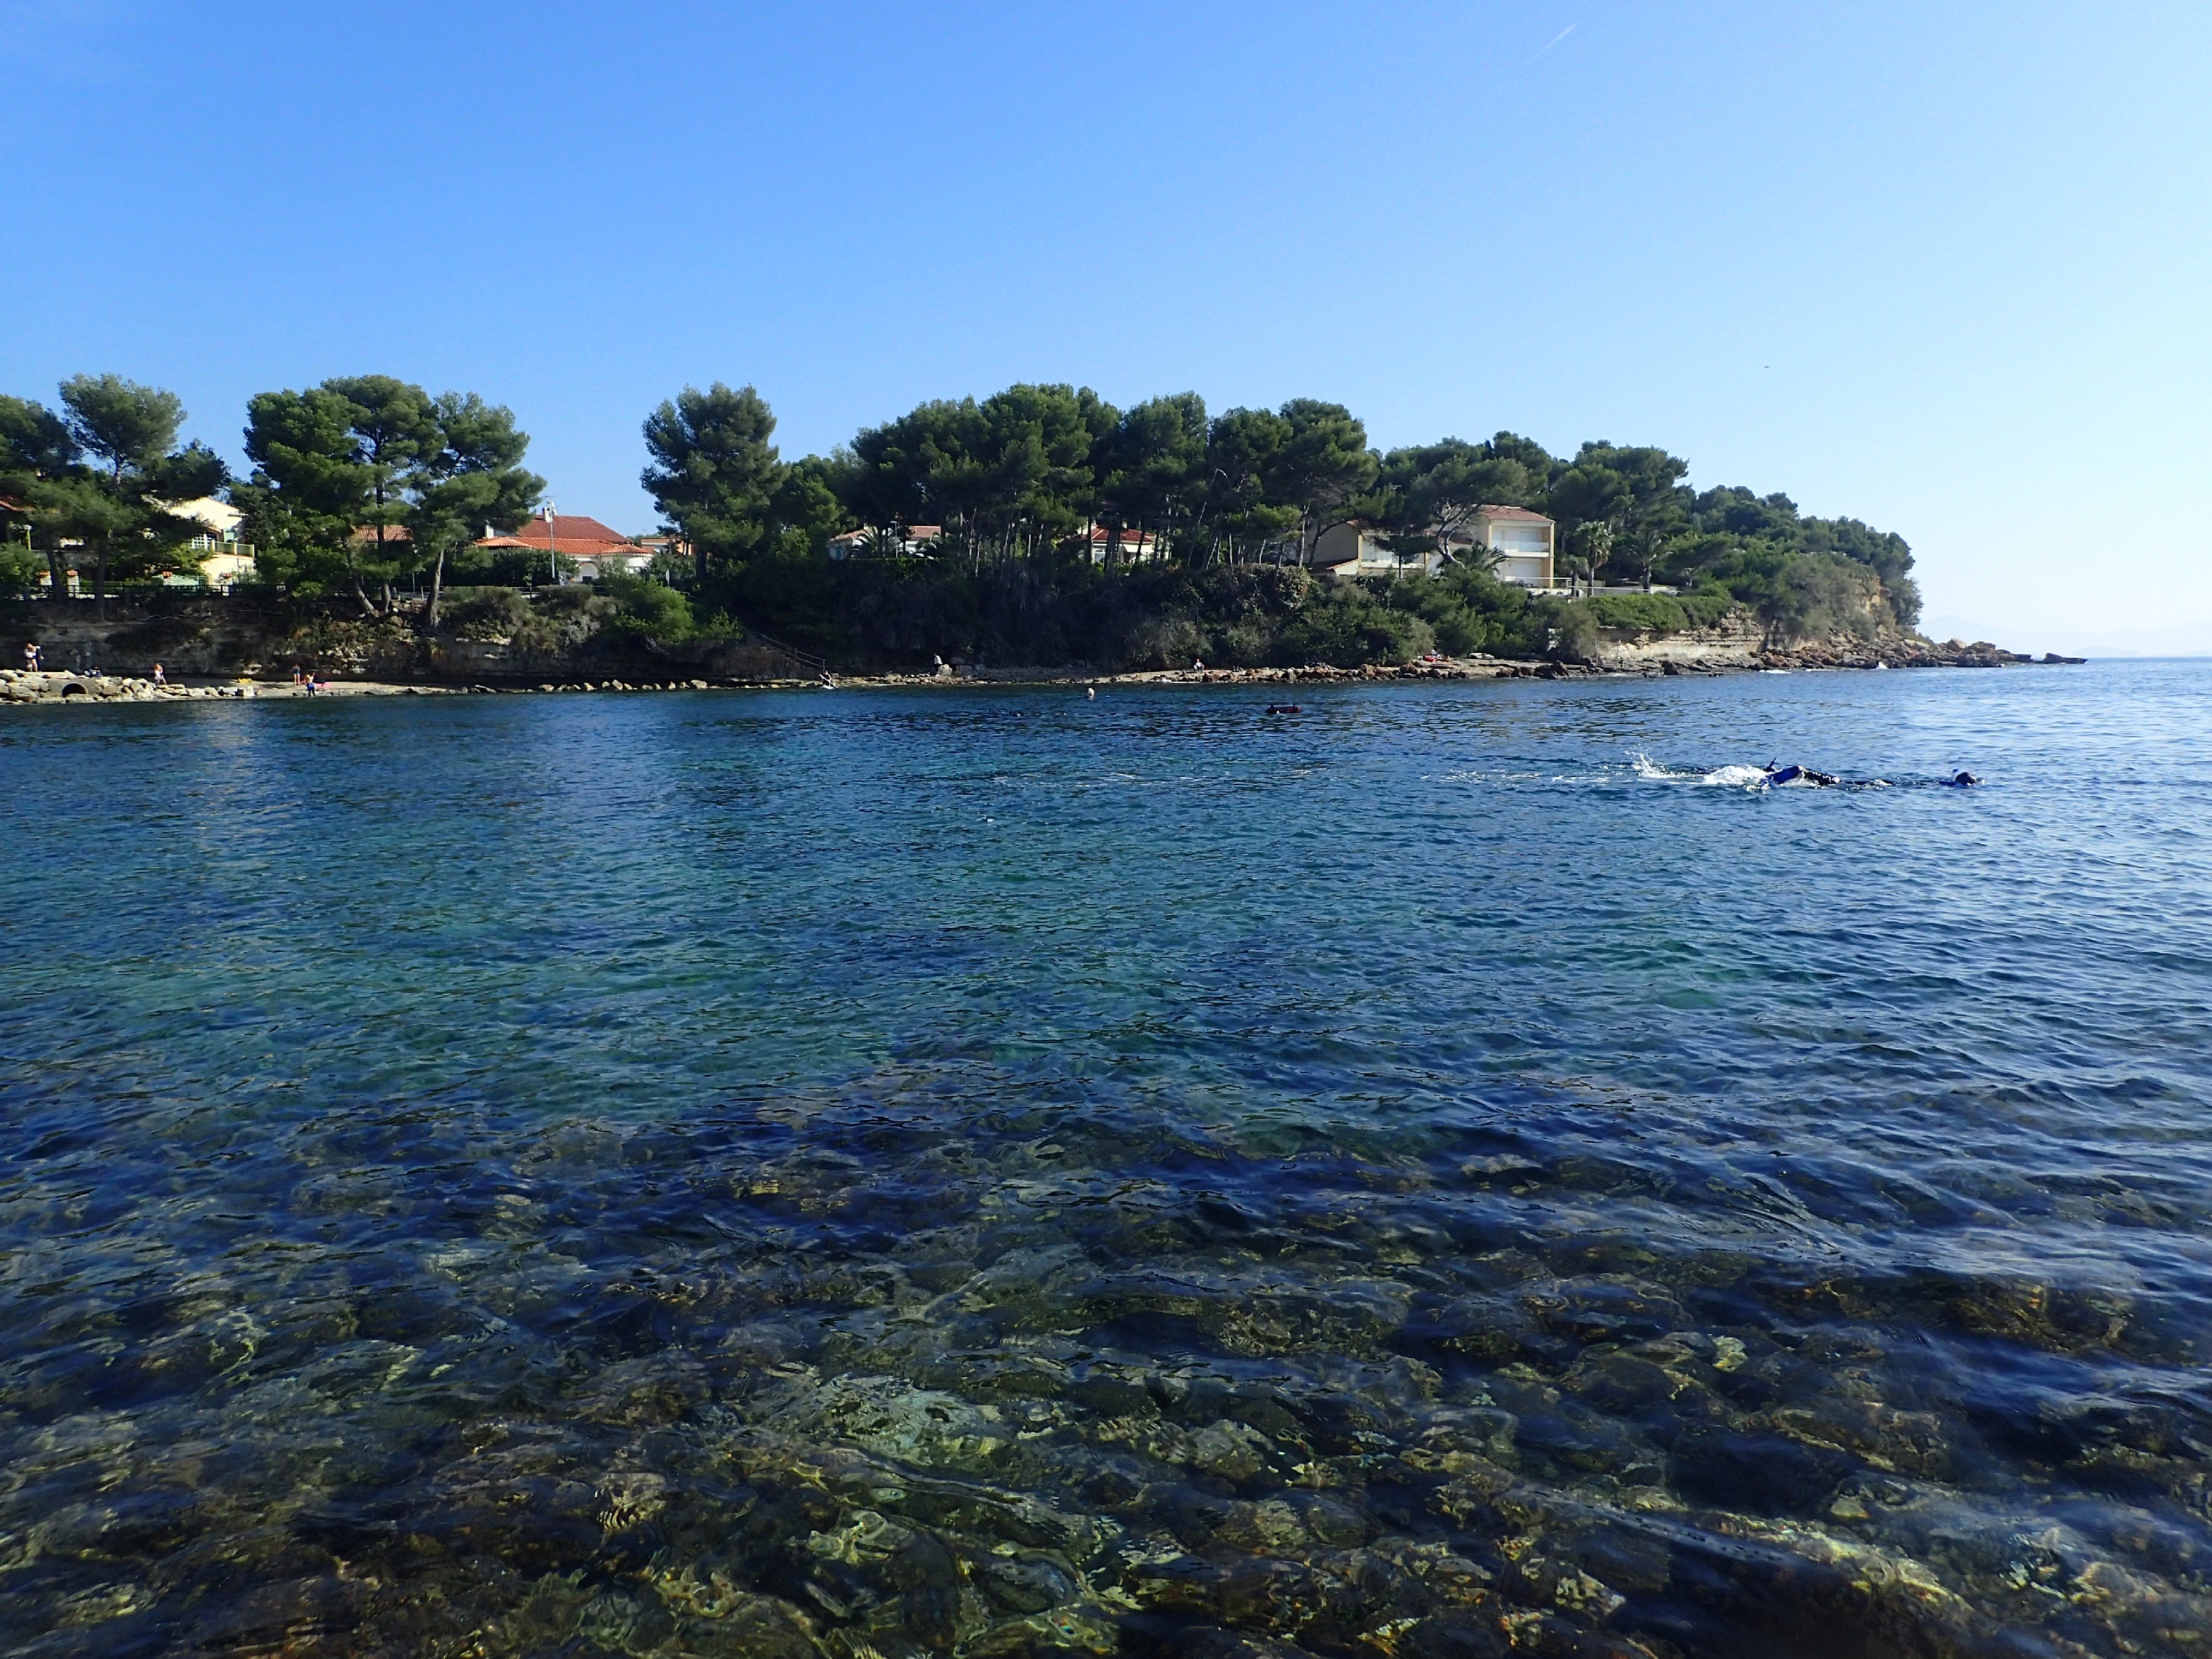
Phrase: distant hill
[2174,640]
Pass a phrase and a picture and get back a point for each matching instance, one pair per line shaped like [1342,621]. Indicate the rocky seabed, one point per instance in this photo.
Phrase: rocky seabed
[895,1393]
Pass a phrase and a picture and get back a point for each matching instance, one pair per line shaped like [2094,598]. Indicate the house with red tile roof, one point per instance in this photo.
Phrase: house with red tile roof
[597,548]
[1136,547]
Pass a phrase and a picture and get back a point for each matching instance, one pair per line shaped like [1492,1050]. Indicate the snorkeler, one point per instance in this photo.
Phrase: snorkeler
[1777,775]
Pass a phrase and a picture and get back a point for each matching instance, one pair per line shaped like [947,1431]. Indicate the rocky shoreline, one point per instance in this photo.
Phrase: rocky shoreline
[225,655]
[22,687]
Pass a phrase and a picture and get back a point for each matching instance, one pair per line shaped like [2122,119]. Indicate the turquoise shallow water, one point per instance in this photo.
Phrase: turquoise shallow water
[996,1173]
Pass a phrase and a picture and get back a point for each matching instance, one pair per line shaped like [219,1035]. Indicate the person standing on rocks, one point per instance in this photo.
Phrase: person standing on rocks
[30,656]
[159,679]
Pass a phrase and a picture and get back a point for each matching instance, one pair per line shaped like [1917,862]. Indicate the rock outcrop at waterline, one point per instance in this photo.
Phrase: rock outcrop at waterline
[206,640]
[19,685]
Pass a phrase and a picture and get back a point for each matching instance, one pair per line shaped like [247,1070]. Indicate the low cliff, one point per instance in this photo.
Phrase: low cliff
[1739,642]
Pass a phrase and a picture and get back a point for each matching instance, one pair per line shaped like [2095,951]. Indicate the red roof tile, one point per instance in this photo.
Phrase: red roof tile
[572,533]
[1510,515]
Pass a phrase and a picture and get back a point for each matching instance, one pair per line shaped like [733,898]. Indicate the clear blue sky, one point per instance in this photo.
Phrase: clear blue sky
[1941,267]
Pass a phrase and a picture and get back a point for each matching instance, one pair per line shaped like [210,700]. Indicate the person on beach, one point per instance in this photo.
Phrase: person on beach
[159,679]
[30,656]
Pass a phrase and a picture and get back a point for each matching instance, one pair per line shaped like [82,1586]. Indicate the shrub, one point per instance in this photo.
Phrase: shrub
[519,567]
[1169,641]
[20,569]
[1348,627]
[1573,628]
[1471,611]
[1659,613]
[1903,594]
[646,609]
[1707,605]
[1244,645]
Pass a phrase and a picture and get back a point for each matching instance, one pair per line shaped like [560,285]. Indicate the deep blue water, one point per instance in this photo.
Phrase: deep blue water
[995,1172]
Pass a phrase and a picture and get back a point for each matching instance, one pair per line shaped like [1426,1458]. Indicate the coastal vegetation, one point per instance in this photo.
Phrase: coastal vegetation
[100,476]
[1039,524]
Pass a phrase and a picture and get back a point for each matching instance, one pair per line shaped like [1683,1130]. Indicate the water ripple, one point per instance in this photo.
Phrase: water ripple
[871,1175]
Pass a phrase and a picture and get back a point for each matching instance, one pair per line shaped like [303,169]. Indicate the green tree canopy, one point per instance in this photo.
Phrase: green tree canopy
[336,471]
[809,506]
[1321,469]
[1729,518]
[1038,443]
[120,503]
[1244,457]
[472,482]
[1512,446]
[1588,501]
[39,456]
[36,444]
[1150,464]
[302,501]
[395,432]
[713,472]
[1425,495]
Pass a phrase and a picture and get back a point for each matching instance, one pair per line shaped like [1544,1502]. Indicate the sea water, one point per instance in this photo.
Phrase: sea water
[1450,1172]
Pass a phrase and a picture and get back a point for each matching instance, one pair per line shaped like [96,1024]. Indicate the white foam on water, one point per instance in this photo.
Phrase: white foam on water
[1736,777]
[1644,767]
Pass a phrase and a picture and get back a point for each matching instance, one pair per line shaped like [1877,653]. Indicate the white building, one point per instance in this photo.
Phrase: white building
[1525,543]
[1512,541]
[900,541]
[224,559]
[1346,550]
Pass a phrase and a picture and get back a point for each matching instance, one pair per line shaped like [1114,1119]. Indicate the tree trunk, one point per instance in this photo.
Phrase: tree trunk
[353,574]
[100,578]
[437,585]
